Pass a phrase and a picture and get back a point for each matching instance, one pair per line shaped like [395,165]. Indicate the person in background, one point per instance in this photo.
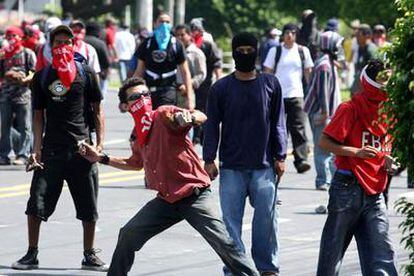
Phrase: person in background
[308,33]
[87,51]
[356,208]
[214,71]
[110,31]
[125,47]
[159,58]
[292,65]
[44,54]
[16,72]
[321,103]
[198,24]
[246,114]
[196,62]
[93,31]
[367,50]
[332,25]
[379,36]
[272,40]
[31,39]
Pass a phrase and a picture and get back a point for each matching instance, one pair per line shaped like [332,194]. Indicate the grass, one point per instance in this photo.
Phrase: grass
[345,95]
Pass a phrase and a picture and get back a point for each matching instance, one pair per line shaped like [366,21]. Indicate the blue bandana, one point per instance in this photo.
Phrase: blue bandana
[162,35]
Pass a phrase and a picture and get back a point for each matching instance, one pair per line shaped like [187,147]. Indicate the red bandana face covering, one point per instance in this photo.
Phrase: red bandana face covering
[141,111]
[198,39]
[15,45]
[64,64]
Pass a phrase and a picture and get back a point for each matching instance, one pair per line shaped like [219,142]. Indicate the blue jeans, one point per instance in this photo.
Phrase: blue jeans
[324,160]
[352,213]
[22,123]
[260,186]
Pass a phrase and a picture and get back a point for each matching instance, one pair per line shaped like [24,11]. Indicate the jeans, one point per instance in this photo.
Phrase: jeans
[260,186]
[324,160]
[352,213]
[159,215]
[295,123]
[21,115]
[123,69]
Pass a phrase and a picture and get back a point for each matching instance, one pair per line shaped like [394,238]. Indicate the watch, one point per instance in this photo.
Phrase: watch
[104,159]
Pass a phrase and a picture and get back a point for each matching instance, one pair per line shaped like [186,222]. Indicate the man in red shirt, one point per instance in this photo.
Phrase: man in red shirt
[172,167]
[358,137]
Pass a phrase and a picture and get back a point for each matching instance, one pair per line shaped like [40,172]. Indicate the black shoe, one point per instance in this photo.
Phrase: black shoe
[28,261]
[92,262]
[4,161]
[302,167]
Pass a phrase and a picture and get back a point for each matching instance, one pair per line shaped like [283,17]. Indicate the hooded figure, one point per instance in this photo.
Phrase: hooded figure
[308,33]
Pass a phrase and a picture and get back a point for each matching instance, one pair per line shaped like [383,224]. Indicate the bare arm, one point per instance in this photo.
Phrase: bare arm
[268,70]
[139,72]
[336,148]
[185,72]
[100,124]
[308,73]
[199,117]
[38,120]
[122,163]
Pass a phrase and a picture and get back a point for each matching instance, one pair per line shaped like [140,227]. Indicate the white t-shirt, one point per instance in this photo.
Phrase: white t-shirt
[124,44]
[91,56]
[289,69]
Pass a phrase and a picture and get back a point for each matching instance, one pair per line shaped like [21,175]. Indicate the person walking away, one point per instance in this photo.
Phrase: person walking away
[292,65]
[321,103]
[125,48]
[250,110]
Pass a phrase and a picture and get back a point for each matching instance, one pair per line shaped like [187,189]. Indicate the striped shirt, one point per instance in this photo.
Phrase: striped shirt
[323,92]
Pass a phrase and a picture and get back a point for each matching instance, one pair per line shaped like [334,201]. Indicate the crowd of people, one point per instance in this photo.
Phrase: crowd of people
[54,78]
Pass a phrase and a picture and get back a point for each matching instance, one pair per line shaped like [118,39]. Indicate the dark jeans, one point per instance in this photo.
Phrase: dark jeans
[22,123]
[159,215]
[352,213]
[295,123]
[201,95]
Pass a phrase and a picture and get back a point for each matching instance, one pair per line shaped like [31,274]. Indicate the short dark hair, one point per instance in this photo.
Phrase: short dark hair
[184,27]
[365,29]
[374,67]
[128,83]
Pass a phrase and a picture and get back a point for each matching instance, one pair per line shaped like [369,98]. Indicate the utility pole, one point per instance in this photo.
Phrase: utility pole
[21,10]
[144,13]
[169,8]
[180,12]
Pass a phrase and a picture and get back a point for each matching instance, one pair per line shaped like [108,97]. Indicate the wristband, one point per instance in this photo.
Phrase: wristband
[104,159]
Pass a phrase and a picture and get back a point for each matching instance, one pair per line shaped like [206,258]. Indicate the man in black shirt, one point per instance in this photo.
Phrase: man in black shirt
[159,57]
[61,93]
[93,31]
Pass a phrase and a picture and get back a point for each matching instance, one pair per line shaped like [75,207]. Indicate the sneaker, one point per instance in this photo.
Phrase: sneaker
[92,262]
[4,161]
[302,167]
[269,273]
[321,209]
[28,261]
[323,187]
[20,161]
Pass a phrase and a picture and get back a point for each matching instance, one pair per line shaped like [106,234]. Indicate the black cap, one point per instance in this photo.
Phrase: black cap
[60,29]
[244,39]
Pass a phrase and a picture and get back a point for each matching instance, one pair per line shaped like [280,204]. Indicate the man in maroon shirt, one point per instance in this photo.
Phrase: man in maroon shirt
[172,167]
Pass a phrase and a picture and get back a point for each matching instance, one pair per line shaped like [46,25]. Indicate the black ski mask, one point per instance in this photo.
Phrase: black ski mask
[244,62]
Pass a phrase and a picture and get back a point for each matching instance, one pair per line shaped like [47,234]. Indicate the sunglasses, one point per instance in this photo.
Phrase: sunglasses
[137,96]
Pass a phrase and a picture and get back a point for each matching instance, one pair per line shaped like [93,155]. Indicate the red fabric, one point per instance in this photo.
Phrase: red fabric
[14,47]
[31,43]
[172,166]
[64,64]
[13,30]
[355,124]
[143,114]
[110,36]
[41,61]
[198,39]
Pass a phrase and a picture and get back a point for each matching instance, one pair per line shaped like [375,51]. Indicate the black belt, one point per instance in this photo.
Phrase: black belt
[156,89]
[199,190]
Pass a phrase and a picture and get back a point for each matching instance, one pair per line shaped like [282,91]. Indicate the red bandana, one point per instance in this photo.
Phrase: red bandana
[14,47]
[31,43]
[198,39]
[64,64]
[141,111]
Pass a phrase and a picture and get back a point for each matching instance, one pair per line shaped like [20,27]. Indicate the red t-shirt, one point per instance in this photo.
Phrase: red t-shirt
[346,129]
[110,36]
[172,166]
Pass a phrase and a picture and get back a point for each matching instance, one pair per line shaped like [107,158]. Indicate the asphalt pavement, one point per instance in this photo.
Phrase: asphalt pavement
[178,251]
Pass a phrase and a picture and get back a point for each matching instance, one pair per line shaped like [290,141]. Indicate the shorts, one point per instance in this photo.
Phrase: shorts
[164,96]
[81,177]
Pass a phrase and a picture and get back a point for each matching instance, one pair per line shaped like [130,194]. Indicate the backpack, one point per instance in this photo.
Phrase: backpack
[88,109]
[302,59]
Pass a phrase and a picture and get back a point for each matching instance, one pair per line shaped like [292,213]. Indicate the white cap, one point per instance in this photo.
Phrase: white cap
[275,32]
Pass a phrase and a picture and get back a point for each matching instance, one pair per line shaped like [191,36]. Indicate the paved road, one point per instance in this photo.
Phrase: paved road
[179,250]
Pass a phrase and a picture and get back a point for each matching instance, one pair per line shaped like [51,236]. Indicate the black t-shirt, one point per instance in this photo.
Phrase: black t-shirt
[101,50]
[65,110]
[161,62]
